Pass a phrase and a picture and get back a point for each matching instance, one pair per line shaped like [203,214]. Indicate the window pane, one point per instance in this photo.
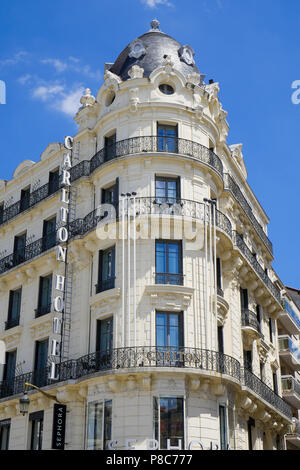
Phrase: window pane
[107,423]
[173,258]
[94,427]
[171,422]
[223,430]
[161,258]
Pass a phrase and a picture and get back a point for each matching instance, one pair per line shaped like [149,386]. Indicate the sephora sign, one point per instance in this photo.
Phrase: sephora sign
[61,256]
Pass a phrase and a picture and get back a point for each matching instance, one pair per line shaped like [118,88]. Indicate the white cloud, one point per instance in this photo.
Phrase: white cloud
[70,103]
[25,79]
[47,92]
[155,3]
[15,59]
[56,63]
[59,98]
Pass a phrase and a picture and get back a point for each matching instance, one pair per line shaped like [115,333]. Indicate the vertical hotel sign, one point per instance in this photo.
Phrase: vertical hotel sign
[57,346]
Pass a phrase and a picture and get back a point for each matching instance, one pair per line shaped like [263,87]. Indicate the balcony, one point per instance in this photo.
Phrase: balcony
[42,310]
[250,324]
[291,390]
[168,278]
[293,437]
[134,145]
[137,358]
[289,352]
[289,318]
[230,185]
[25,254]
[105,284]
[241,245]
[12,322]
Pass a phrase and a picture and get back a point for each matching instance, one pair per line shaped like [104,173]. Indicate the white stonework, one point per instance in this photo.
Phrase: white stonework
[204,377]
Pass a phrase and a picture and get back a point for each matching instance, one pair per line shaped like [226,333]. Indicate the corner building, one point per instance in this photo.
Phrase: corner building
[173,336]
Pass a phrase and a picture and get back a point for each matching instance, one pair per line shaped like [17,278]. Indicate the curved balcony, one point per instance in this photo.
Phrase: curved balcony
[250,323]
[134,145]
[149,357]
[153,206]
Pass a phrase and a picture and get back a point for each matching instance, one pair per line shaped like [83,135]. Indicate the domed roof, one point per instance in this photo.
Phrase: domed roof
[149,51]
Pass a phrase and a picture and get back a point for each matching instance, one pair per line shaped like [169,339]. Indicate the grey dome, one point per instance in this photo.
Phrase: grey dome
[152,48]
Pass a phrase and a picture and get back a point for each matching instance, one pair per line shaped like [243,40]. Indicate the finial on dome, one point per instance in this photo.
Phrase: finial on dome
[155,25]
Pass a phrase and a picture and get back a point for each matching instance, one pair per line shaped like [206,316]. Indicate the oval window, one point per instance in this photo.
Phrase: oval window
[166,89]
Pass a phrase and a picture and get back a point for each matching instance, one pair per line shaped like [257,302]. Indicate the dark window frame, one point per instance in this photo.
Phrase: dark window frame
[13,320]
[44,309]
[165,278]
[108,283]
[166,198]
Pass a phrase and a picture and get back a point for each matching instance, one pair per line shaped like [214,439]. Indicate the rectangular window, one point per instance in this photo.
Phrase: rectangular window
[19,249]
[36,421]
[106,270]
[169,330]
[40,363]
[1,213]
[168,419]
[275,383]
[53,184]
[250,425]
[104,342]
[49,233]
[99,425]
[45,290]
[244,299]
[167,138]
[223,427]
[14,308]
[271,330]
[4,434]
[219,278]
[262,371]
[25,199]
[168,255]
[248,360]
[110,146]
[258,314]
[220,339]
[167,190]
[9,372]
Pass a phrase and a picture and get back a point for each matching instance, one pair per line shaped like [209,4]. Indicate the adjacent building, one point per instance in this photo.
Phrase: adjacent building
[136,275]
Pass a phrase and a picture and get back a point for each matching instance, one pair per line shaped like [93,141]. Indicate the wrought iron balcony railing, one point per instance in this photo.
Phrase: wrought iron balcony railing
[250,319]
[169,278]
[25,254]
[140,357]
[151,206]
[12,322]
[105,284]
[230,185]
[266,393]
[42,310]
[134,145]
[239,242]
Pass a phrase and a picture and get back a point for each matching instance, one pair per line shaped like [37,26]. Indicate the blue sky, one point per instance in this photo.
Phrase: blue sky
[51,51]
